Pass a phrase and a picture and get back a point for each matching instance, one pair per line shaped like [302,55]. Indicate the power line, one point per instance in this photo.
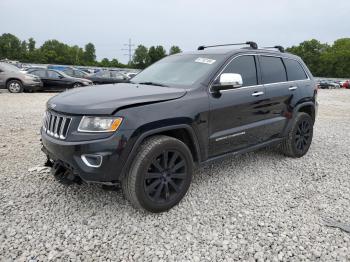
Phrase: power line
[129,49]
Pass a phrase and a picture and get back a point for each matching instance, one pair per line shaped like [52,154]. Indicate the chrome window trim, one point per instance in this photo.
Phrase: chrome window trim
[243,87]
[251,54]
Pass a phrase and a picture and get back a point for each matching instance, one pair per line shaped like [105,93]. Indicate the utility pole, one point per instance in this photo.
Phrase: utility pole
[129,49]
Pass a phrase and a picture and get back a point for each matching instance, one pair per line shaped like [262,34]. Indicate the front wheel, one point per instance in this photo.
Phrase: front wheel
[299,138]
[15,86]
[77,85]
[160,174]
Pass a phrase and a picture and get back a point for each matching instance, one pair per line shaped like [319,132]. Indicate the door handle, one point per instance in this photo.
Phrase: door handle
[258,93]
[292,88]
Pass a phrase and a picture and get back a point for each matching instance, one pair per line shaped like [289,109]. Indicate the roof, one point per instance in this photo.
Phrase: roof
[232,51]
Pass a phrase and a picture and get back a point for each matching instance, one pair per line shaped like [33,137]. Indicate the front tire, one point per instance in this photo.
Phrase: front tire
[299,138]
[160,174]
[15,86]
[77,85]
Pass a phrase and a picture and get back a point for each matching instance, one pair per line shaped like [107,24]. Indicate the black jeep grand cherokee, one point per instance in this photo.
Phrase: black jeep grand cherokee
[187,108]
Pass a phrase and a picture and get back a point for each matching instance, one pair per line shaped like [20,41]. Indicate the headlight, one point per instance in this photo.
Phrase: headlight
[29,77]
[99,124]
[86,83]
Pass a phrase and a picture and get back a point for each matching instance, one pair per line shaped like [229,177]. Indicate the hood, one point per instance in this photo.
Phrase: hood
[106,99]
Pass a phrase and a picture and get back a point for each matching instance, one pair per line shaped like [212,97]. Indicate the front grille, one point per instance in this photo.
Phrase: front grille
[56,125]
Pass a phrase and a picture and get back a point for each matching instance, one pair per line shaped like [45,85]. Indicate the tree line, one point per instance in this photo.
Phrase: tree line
[323,59]
[56,52]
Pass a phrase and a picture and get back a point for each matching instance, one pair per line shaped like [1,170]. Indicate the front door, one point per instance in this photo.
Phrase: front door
[237,114]
[55,80]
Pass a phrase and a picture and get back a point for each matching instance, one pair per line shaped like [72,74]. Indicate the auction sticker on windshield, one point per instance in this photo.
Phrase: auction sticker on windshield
[205,60]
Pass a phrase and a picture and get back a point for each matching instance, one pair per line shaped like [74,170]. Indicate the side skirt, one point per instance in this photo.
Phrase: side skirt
[245,150]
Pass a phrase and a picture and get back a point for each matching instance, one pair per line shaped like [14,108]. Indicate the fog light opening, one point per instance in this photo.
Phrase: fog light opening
[92,160]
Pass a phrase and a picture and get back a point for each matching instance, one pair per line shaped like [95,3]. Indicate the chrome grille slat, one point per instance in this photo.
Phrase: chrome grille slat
[55,134]
[56,125]
[62,128]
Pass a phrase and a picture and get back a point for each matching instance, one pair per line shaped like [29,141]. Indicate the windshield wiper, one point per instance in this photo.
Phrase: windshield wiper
[151,84]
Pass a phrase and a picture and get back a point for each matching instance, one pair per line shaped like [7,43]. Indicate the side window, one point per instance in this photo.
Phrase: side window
[245,66]
[39,73]
[117,75]
[106,74]
[273,70]
[53,74]
[68,71]
[78,73]
[294,70]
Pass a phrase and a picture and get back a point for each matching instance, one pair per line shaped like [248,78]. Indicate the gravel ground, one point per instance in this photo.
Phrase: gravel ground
[258,206]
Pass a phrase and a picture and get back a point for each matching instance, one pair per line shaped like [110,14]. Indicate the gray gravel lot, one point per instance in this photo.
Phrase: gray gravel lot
[259,205]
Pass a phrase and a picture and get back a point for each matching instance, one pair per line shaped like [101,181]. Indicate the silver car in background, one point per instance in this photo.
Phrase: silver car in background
[16,81]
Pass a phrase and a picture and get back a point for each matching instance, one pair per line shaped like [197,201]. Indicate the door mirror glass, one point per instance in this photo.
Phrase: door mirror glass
[228,81]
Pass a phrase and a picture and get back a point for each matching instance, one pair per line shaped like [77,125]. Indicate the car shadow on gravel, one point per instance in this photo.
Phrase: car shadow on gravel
[238,162]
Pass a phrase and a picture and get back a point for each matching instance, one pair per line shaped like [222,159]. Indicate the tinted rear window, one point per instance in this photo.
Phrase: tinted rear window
[294,70]
[273,70]
[245,66]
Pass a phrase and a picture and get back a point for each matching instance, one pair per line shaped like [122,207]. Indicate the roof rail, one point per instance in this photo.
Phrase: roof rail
[253,45]
[280,48]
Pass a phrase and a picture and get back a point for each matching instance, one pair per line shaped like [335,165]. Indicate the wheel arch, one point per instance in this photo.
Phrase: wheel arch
[308,108]
[13,78]
[181,132]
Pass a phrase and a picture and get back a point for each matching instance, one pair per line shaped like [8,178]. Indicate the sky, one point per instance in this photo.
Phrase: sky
[109,24]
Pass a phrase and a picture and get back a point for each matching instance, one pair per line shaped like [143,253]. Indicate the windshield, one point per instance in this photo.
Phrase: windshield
[9,67]
[179,69]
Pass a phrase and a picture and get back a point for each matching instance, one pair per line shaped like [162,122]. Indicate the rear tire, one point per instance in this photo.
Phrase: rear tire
[15,86]
[299,138]
[160,174]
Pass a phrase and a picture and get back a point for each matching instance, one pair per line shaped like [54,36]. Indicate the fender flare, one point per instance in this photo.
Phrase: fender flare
[155,131]
[295,110]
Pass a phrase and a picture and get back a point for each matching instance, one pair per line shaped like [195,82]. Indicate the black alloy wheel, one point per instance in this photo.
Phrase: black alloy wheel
[165,176]
[303,135]
[160,174]
[299,138]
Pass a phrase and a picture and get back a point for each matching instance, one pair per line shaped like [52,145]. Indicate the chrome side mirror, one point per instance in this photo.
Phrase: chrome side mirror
[228,81]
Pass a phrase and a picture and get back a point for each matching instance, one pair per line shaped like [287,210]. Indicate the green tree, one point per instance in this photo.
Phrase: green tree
[56,52]
[10,47]
[174,50]
[114,63]
[336,59]
[310,51]
[155,54]
[31,45]
[105,62]
[140,57]
[89,54]
[24,51]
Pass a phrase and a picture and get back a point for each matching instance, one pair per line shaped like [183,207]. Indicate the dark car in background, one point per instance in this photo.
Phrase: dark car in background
[328,84]
[17,81]
[108,77]
[56,80]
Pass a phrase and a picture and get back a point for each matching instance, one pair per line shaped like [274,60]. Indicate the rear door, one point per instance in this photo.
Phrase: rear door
[297,77]
[236,114]
[280,93]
